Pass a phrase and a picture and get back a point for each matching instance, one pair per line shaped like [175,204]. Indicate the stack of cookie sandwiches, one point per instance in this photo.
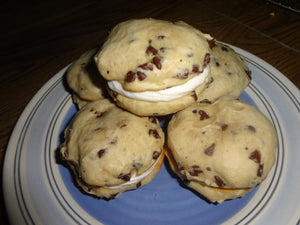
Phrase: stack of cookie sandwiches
[218,145]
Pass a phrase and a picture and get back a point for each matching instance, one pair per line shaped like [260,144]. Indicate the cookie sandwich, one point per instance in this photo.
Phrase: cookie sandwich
[155,67]
[111,150]
[230,74]
[84,79]
[221,150]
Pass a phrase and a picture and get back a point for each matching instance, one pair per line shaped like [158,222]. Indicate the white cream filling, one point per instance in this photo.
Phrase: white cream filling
[168,94]
[134,178]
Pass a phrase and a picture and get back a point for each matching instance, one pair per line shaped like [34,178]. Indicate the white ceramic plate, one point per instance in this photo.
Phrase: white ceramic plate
[39,189]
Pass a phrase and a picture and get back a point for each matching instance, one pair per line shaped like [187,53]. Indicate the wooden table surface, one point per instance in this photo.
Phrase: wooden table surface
[39,38]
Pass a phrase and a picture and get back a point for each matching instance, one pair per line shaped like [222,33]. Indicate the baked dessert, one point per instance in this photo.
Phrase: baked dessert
[111,150]
[84,79]
[155,67]
[230,74]
[222,150]
[217,145]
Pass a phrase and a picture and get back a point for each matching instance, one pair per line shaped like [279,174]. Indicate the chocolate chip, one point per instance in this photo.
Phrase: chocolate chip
[155,155]
[141,76]
[195,68]
[152,119]
[194,111]
[146,66]
[123,125]
[206,59]
[100,114]
[157,61]
[194,96]
[113,196]
[209,82]
[224,49]
[139,184]
[154,133]
[208,168]
[100,153]
[113,141]
[217,64]
[107,71]
[255,156]
[210,150]
[125,177]
[183,74]
[130,76]
[251,128]
[205,101]
[219,181]
[162,49]
[260,170]
[211,43]
[195,170]
[224,127]
[203,115]
[151,50]
[160,37]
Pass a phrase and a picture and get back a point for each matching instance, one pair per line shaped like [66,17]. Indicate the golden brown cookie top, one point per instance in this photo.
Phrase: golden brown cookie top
[108,145]
[227,144]
[230,74]
[149,54]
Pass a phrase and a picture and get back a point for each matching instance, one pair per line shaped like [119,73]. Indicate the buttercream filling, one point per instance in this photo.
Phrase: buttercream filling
[168,94]
[136,178]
